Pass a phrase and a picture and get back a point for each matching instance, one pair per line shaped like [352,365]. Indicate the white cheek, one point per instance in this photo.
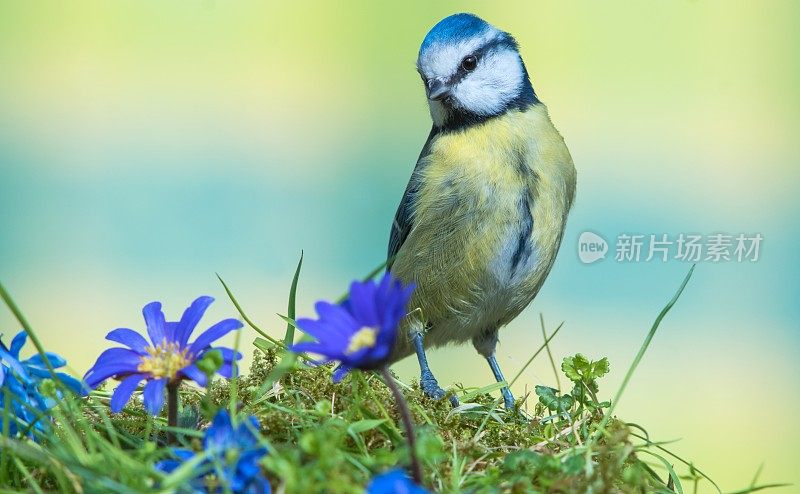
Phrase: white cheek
[492,86]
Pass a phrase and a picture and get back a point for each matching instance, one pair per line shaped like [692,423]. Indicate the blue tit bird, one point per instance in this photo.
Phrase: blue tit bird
[482,217]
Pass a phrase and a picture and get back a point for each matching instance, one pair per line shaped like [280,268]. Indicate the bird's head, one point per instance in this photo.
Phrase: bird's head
[472,71]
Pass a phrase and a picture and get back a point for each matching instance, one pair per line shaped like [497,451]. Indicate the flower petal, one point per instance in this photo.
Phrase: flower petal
[169,465]
[14,365]
[226,370]
[169,330]
[321,330]
[228,354]
[362,304]
[394,481]
[340,319]
[220,431]
[214,333]
[340,372]
[317,348]
[55,360]
[39,372]
[17,343]
[195,374]
[154,396]
[247,467]
[183,454]
[154,318]
[124,391]
[114,361]
[75,385]
[129,338]
[249,427]
[191,316]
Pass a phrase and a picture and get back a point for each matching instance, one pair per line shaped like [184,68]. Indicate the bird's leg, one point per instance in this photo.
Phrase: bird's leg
[508,398]
[427,381]
[485,343]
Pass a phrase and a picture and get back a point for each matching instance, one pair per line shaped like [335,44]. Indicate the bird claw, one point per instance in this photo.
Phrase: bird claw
[454,401]
[430,387]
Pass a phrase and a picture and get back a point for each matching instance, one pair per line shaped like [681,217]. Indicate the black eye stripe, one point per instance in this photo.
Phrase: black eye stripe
[505,41]
[479,54]
[497,43]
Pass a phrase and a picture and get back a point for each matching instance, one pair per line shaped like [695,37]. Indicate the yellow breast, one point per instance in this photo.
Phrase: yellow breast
[478,188]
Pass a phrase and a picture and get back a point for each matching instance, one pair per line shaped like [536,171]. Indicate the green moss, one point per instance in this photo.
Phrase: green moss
[328,437]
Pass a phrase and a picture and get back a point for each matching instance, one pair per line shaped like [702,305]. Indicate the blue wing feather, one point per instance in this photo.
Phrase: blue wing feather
[402,224]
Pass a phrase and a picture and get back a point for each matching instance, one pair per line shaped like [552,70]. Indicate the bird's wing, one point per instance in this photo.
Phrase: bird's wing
[401,226]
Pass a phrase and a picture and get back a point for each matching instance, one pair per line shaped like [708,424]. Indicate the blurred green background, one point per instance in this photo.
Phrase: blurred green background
[146,145]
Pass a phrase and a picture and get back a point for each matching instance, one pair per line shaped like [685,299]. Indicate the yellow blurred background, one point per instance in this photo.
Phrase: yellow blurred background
[146,146]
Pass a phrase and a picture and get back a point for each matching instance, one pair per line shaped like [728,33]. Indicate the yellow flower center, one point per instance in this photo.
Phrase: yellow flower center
[165,360]
[363,338]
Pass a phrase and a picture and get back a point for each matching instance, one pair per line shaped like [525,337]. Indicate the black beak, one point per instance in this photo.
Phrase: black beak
[437,90]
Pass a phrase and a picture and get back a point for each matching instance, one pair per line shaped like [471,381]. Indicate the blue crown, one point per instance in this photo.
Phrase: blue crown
[453,28]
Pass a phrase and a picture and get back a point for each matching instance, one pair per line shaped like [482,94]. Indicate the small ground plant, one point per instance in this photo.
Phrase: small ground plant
[288,426]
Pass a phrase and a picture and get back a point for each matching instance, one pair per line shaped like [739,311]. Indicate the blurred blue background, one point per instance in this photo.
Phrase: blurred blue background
[146,146]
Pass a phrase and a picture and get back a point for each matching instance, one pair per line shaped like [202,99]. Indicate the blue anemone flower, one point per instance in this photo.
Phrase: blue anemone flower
[21,380]
[28,407]
[232,455]
[359,333]
[394,482]
[167,359]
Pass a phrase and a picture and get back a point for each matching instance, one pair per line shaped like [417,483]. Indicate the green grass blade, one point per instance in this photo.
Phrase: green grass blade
[365,425]
[27,328]
[760,488]
[673,475]
[536,354]
[31,481]
[550,354]
[289,359]
[263,345]
[244,316]
[290,321]
[680,459]
[639,427]
[639,355]
[234,380]
[483,391]
[288,339]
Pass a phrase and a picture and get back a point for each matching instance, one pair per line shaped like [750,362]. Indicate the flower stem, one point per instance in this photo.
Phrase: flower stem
[172,409]
[34,339]
[6,429]
[405,414]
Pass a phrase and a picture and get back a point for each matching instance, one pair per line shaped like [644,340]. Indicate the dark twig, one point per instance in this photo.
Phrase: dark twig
[172,409]
[408,423]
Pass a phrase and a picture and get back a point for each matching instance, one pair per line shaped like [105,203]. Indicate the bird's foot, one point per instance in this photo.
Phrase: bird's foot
[508,398]
[454,401]
[430,387]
